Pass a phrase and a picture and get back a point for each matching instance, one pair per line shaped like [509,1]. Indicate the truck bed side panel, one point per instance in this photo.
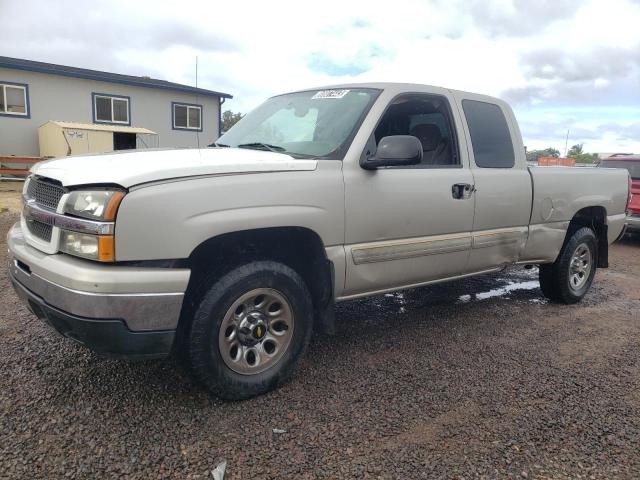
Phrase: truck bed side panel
[559,193]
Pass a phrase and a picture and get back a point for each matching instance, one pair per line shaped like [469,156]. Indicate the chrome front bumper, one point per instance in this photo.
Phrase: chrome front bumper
[145,299]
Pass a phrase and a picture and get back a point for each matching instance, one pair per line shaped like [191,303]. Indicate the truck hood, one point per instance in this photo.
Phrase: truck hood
[132,168]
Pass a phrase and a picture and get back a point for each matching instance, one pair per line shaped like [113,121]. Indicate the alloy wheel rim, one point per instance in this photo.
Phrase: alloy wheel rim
[580,266]
[256,331]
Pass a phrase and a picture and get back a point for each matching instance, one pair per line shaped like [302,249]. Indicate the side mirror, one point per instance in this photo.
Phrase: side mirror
[395,151]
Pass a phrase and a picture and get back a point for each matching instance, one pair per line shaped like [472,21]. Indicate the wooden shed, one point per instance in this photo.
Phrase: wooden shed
[59,139]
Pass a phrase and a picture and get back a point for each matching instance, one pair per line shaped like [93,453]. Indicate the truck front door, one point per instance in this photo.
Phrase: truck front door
[407,226]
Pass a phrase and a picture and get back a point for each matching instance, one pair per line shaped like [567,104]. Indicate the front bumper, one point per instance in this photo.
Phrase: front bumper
[124,311]
[105,336]
[633,223]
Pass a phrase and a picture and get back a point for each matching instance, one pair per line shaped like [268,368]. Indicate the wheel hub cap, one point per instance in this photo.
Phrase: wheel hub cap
[256,331]
[252,328]
[580,267]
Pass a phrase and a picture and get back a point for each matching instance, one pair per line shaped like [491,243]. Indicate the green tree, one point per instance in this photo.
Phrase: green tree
[577,149]
[229,119]
[577,152]
[534,155]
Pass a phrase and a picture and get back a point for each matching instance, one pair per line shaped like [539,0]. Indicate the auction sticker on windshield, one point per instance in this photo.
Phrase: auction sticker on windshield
[330,94]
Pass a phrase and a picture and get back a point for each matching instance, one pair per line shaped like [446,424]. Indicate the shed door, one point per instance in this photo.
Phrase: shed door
[100,142]
[124,141]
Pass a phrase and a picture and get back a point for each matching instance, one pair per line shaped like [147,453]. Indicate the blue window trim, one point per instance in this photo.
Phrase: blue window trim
[183,104]
[110,95]
[28,103]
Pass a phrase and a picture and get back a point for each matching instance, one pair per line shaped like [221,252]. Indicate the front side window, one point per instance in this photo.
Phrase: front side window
[428,118]
[316,123]
[14,100]
[490,137]
[187,116]
[111,109]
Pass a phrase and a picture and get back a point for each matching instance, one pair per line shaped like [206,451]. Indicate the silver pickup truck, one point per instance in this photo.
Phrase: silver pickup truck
[231,255]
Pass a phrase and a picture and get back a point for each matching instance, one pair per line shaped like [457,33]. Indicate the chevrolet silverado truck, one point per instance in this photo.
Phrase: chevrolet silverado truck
[231,255]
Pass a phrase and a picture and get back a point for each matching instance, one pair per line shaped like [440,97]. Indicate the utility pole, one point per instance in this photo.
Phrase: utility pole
[566,144]
[197,133]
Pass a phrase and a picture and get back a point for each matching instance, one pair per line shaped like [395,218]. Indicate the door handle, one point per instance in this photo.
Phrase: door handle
[462,191]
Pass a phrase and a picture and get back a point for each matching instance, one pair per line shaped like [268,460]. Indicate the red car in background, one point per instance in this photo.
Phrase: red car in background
[632,164]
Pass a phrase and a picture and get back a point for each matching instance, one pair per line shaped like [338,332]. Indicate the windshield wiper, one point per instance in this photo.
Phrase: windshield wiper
[219,145]
[262,146]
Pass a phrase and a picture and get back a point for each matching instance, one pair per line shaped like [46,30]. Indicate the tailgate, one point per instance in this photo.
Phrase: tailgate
[634,206]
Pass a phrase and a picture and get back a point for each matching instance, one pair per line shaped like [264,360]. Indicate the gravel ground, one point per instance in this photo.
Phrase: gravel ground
[10,196]
[480,378]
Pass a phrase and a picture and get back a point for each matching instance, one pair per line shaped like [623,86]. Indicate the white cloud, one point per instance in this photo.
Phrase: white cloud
[564,64]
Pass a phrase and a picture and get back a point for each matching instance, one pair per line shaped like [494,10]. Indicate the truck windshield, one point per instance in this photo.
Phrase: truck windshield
[316,123]
[633,166]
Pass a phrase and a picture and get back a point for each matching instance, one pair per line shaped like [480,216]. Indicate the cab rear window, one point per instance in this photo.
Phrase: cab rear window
[490,137]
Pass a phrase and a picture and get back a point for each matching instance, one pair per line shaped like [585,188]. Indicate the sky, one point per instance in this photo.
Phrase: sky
[562,64]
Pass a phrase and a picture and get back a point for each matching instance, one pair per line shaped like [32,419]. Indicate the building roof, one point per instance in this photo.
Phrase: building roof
[101,128]
[65,71]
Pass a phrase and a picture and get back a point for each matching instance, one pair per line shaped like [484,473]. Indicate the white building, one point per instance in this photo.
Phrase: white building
[33,94]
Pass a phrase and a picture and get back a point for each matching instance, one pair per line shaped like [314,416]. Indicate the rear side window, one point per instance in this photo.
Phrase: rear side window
[490,138]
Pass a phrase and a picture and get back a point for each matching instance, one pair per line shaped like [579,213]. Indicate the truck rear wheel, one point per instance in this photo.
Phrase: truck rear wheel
[250,330]
[569,278]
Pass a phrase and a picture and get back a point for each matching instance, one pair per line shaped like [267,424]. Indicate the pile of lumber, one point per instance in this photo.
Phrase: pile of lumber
[8,165]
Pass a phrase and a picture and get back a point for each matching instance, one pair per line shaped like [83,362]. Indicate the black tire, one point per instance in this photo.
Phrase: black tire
[555,278]
[203,351]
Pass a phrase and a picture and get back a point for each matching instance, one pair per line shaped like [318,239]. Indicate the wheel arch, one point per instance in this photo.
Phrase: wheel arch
[595,218]
[300,248]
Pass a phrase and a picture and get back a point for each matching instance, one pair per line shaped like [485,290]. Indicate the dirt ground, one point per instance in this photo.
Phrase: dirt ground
[478,378]
[10,196]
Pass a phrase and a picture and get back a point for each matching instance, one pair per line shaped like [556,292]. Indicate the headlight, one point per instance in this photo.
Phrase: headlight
[94,204]
[97,206]
[93,247]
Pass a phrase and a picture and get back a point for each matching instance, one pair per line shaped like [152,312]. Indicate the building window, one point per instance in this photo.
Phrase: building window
[14,99]
[186,116]
[111,109]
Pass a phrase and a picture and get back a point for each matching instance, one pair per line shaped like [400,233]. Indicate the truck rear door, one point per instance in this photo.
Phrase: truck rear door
[503,190]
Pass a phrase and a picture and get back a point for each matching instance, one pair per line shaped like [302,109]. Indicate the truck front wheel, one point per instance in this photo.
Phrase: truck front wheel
[569,278]
[250,330]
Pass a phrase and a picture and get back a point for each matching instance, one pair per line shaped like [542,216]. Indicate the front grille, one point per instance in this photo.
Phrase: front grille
[39,229]
[45,192]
